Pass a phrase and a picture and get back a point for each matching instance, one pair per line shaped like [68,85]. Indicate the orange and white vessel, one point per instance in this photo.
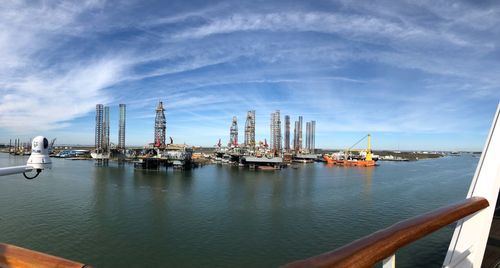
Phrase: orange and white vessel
[365,158]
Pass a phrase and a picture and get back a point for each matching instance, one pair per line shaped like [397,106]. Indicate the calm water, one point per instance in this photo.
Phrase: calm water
[218,216]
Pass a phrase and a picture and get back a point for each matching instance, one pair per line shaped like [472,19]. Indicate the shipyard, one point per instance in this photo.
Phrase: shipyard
[160,153]
[285,148]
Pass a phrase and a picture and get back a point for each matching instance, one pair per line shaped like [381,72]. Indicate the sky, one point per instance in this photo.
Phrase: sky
[417,75]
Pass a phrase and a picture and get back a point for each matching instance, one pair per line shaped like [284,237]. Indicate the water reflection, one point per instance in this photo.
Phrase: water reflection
[367,175]
[218,216]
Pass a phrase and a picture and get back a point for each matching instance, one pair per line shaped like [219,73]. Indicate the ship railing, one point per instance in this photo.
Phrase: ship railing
[13,256]
[382,245]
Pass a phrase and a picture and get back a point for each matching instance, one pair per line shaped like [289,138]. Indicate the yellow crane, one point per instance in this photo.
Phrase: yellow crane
[368,150]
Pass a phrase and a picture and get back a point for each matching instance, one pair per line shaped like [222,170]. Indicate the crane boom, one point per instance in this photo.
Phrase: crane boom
[357,142]
[368,148]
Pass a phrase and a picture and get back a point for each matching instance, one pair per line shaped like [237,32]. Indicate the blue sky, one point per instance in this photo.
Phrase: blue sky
[416,74]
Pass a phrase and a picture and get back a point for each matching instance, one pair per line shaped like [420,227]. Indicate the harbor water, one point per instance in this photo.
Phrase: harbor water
[222,216]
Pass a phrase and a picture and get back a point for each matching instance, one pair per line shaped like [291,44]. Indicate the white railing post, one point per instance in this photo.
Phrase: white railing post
[15,170]
[389,262]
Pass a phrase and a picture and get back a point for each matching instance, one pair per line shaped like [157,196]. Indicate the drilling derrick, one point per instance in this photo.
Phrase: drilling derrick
[105,128]
[99,115]
[299,135]
[102,141]
[276,132]
[313,137]
[296,138]
[233,133]
[287,133]
[121,127]
[250,130]
[160,126]
[308,137]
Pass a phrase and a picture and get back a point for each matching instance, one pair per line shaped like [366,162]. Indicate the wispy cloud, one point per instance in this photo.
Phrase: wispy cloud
[41,90]
[353,26]
[412,67]
[41,102]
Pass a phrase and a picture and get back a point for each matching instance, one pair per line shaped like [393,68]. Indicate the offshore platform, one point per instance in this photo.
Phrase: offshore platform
[159,153]
[275,155]
[104,148]
[152,156]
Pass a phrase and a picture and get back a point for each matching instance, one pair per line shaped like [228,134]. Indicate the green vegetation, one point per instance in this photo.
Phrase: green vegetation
[410,155]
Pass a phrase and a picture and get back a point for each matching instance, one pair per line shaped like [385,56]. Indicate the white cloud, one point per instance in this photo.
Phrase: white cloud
[399,40]
[41,102]
[38,94]
[45,70]
[353,26]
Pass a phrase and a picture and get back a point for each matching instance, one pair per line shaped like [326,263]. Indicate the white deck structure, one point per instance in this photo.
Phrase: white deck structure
[469,240]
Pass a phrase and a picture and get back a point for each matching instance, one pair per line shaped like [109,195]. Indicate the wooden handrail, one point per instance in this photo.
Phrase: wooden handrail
[369,250]
[12,256]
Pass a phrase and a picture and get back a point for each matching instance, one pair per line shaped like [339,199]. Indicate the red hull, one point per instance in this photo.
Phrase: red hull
[349,163]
